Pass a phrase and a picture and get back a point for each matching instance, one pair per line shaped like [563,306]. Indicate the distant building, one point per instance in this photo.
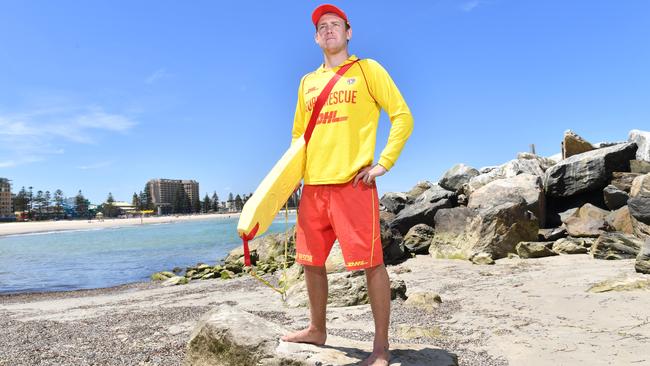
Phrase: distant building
[163,190]
[5,198]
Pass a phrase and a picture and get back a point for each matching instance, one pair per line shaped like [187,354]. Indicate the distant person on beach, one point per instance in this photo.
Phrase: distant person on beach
[339,199]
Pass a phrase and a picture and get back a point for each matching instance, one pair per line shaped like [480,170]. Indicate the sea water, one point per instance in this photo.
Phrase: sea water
[85,259]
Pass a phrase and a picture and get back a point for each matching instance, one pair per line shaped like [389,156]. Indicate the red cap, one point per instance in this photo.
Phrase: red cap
[327,8]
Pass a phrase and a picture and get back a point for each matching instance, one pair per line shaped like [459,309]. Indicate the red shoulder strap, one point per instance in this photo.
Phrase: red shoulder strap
[322,98]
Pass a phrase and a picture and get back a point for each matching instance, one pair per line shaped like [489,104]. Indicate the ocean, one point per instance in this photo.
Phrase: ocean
[87,259]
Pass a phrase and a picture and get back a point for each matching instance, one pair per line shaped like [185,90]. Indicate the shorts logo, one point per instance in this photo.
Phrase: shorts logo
[304,257]
[351,81]
[356,264]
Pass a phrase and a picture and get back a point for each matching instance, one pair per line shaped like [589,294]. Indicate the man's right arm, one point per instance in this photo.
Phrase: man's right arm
[299,117]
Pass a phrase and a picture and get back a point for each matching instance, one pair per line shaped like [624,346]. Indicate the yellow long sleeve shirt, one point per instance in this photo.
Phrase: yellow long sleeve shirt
[343,141]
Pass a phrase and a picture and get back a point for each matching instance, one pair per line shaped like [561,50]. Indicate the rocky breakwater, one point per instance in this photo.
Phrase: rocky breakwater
[590,198]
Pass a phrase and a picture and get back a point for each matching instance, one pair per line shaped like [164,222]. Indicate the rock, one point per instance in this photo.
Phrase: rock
[451,234]
[588,221]
[621,284]
[614,197]
[424,301]
[639,208]
[461,232]
[345,289]
[569,246]
[235,267]
[642,264]
[507,170]
[544,163]
[482,258]
[620,220]
[552,234]
[558,209]
[623,180]
[161,276]
[223,336]
[418,239]
[417,190]
[209,276]
[406,331]
[227,275]
[589,171]
[572,144]
[423,209]
[534,249]
[639,167]
[616,245]
[293,275]
[640,186]
[397,289]
[524,186]
[392,243]
[454,178]
[393,202]
[176,280]
[642,140]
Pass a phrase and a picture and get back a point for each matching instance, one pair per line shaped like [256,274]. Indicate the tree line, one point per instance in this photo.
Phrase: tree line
[43,205]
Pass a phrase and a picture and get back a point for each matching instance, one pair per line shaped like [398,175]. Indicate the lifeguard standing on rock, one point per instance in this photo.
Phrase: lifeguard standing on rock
[339,199]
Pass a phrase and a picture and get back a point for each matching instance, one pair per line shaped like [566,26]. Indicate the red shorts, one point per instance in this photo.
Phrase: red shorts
[332,211]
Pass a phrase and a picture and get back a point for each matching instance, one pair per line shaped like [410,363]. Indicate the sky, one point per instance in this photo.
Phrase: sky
[101,96]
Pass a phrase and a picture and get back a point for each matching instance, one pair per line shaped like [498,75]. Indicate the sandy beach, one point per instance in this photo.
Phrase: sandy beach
[14,228]
[516,312]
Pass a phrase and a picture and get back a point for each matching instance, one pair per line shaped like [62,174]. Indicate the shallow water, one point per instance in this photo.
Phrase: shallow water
[83,259]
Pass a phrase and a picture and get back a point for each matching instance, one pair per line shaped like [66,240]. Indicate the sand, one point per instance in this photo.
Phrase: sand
[14,228]
[516,312]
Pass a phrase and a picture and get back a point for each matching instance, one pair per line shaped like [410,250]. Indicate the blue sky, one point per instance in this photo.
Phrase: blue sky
[104,95]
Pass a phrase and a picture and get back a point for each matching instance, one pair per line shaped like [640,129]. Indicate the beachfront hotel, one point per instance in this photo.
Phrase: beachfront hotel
[5,198]
[162,191]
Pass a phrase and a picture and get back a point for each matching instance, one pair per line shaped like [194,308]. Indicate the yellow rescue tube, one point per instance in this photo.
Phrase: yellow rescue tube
[274,191]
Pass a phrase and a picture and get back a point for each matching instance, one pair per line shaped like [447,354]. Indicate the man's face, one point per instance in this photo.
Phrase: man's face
[331,34]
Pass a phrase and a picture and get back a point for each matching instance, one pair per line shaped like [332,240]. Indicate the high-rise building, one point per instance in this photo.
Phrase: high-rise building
[5,198]
[163,190]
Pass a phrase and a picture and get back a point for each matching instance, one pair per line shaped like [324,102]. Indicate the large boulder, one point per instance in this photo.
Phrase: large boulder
[507,170]
[616,245]
[642,264]
[393,202]
[418,239]
[544,163]
[494,230]
[589,171]
[623,180]
[639,205]
[224,337]
[588,221]
[640,166]
[621,220]
[614,197]
[423,209]
[569,246]
[524,186]
[344,289]
[534,249]
[417,190]
[459,174]
[642,140]
[392,241]
[572,144]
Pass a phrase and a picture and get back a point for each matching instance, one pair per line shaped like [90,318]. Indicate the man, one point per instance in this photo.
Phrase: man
[339,199]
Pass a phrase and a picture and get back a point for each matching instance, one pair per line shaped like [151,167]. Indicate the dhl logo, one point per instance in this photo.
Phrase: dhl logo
[304,257]
[330,117]
[356,264]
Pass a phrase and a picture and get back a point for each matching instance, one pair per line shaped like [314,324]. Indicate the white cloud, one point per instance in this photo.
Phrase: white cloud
[470,5]
[157,75]
[99,165]
[39,133]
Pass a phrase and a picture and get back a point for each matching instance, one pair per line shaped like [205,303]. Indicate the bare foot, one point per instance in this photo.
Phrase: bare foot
[379,357]
[308,335]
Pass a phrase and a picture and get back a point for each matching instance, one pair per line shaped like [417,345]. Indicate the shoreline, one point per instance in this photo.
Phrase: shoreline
[33,227]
